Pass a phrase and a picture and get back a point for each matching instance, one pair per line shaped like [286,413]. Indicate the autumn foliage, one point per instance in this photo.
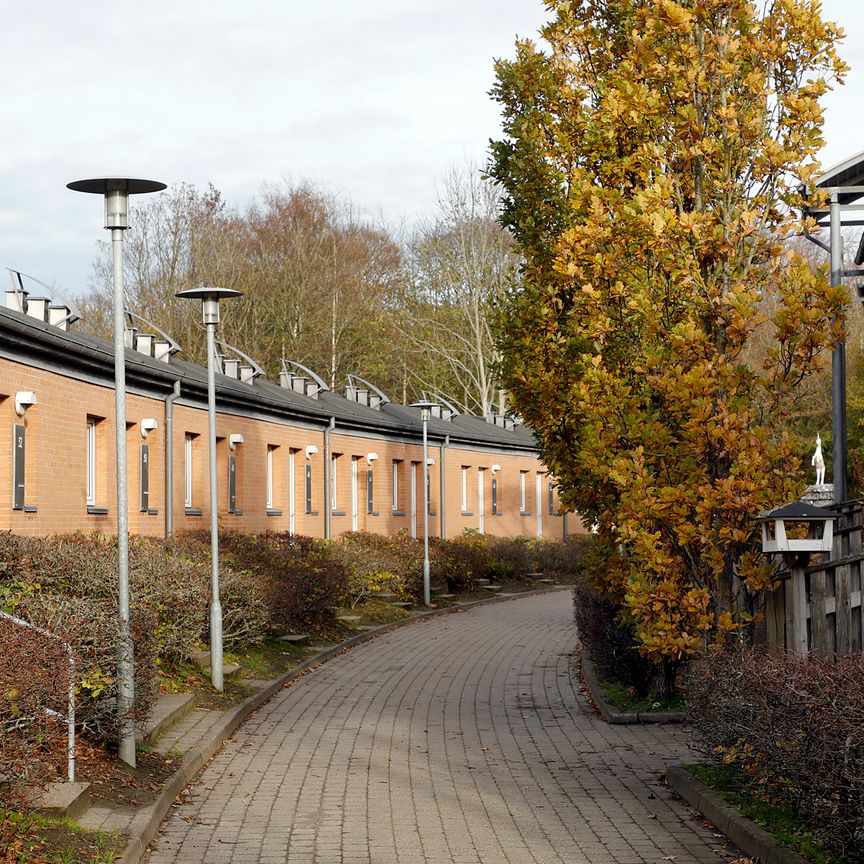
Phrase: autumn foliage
[652,163]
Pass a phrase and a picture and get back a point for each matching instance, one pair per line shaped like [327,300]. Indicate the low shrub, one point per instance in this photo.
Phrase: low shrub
[34,686]
[610,641]
[465,559]
[795,727]
[299,578]
[68,586]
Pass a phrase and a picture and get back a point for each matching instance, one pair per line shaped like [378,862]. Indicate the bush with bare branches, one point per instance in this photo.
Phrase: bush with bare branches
[795,727]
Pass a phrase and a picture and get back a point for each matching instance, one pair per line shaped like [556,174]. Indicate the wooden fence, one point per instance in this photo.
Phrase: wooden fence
[830,601]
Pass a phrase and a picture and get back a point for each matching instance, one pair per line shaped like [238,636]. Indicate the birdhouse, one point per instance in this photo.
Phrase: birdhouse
[797,529]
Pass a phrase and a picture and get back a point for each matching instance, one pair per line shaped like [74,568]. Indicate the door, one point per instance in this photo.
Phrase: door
[539,502]
[481,500]
[413,485]
[291,493]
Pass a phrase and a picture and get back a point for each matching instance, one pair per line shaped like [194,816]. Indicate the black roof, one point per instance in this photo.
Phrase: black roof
[74,352]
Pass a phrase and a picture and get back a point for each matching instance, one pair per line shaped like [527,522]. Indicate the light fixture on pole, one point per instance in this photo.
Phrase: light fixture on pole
[425,413]
[116,191]
[210,298]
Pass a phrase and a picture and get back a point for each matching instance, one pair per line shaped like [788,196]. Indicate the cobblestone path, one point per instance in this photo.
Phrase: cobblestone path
[461,739]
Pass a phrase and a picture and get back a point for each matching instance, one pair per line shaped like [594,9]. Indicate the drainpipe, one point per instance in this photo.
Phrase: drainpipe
[442,475]
[328,461]
[169,459]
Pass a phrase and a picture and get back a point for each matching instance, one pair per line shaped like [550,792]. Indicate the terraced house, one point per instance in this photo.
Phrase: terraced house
[292,456]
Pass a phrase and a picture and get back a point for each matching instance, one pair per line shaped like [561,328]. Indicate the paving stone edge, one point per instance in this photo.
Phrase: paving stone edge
[743,832]
[609,712]
[145,824]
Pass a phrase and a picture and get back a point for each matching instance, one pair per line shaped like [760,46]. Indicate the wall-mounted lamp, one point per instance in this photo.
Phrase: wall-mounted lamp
[430,461]
[311,450]
[234,440]
[495,469]
[148,424]
[371,457]
[23,400]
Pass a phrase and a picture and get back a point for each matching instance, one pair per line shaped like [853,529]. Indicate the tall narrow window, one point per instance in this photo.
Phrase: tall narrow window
[271,476]
[395,485]
[334,482]
[464,489]
[91,462]
[523,495]
[187,472]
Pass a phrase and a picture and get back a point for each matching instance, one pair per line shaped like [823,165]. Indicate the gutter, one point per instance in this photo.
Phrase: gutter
[328,462]
[169,459]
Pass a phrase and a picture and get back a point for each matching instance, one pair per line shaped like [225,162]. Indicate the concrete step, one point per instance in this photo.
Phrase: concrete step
[62,800]
[201,659]
[295,638]
[169,710]
[546,581]
[231,670]
[533,575]
[492,588]
[348,619]
[482,582]
[402,604]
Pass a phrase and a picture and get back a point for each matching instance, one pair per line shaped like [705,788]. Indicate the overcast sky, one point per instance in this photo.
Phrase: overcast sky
[373,100]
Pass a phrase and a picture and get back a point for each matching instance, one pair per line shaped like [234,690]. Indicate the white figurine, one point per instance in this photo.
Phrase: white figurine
[819,462]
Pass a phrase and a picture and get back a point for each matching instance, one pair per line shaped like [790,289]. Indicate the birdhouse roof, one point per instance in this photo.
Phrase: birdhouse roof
[798,511]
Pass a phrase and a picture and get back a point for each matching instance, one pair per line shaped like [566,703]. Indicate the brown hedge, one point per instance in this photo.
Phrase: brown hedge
[794,726]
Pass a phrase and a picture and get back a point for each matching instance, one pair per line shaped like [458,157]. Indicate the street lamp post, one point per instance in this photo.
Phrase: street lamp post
[116,191]
[425,413]
[210,298]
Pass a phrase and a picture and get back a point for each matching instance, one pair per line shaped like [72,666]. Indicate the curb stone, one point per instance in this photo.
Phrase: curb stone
[610,713]
[145,825]
[743,832]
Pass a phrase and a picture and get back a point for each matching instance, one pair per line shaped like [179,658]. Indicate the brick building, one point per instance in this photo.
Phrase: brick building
[292,456]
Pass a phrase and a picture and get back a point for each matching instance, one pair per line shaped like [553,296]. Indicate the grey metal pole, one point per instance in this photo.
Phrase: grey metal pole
[838,364]
[427,591]
[125,659]
[216,668]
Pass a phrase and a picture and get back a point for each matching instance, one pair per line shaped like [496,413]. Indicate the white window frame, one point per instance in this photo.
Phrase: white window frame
[464,488]
[334,483]
[523,492]
[91,462]
[395,485]
[188,475]
[270,449]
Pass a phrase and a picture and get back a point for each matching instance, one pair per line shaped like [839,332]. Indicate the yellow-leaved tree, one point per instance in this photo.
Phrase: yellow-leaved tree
[652,163]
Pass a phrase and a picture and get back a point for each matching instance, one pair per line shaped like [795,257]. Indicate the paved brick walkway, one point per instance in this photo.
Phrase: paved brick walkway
[457,740]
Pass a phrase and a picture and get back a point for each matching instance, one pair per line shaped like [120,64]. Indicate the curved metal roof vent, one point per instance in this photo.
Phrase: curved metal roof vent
[443,409]
[359,390]
[155,343]
[241,366]
[301,379]
[41,306]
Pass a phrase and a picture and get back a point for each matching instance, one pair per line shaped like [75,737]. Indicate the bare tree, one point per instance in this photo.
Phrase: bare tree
[461,264]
